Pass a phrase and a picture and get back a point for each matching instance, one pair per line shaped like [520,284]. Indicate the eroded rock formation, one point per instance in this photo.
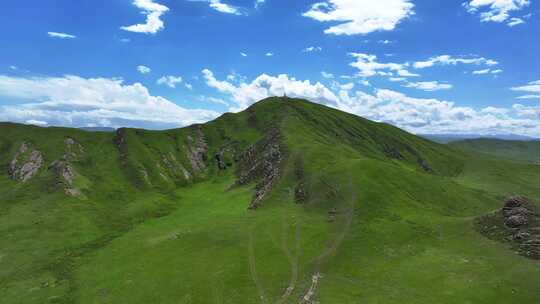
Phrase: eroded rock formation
[197,151]
[261,161]
[518,222]
[26,163]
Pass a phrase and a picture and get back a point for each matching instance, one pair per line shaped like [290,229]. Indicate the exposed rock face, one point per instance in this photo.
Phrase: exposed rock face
[225,157]
[26,163]
[64,170]
[261,160]
[518,222]
[73,149]
[175,166]
[197,151]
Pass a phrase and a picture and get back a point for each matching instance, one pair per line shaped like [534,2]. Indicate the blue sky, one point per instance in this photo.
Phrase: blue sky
[426,66]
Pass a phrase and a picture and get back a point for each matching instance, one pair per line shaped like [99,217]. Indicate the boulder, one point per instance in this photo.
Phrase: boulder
[515,221]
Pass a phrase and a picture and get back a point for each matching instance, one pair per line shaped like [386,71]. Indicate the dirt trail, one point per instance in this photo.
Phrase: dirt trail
[293,260]
[253,267]
[332,249]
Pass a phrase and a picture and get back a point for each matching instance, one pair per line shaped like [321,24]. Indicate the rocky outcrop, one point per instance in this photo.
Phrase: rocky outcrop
[26,163]
[174,166]
[261,161]
[518,222]
[63,168]
[73,149]
[197,150]
[226,156]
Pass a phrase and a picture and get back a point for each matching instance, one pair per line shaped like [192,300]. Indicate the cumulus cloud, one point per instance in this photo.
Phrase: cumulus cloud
[75,101]
[532,112]
[61,35]
[143,69]
[245,94]
[360,16]
[428,86]
[497,10]
[243,54]
[420,115]
[368,66]
[269,54]
[153,12]
[450,60]
[170,81]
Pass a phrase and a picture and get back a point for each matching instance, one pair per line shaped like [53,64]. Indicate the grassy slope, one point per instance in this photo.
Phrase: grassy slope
[401,235]
[510,149]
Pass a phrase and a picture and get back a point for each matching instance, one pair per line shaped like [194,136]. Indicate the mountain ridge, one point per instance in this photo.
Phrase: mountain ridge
[287,200]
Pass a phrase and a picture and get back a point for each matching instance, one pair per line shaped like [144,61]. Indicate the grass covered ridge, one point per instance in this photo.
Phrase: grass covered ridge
[385,216]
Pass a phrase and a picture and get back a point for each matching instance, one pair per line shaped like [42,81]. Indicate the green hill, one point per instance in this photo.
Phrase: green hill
[286,202]
[510,149]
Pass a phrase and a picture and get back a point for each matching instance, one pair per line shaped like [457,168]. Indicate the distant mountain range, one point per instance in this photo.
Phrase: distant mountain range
[446,138]
[98,129]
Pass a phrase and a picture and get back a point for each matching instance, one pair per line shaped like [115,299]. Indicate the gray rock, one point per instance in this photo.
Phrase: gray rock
[25,164]
[197,151]
[515,221]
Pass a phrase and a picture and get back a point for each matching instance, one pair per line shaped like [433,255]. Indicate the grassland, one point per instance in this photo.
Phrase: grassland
[388,218]
[509,149]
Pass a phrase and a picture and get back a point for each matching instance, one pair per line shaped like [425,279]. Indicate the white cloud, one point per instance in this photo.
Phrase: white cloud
[360,16]
[258,3]
[153,12]
[36,122]
[61,35]
[385,41]
[420,115]
[243,54]
[497,10]
[75,101]
[221,7]
[531,87]
[481,72]
[170,81]
[397,79]
[529,97]
[13,68]
[449,60]
[224,8]
[189,86]
[347,87]
[428,86]
[368,67]
[215,100]
[312,49]
[487,71]
[515,21]
[245,94]
[532,112]
[327,75]
[269,54]
[143,69]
